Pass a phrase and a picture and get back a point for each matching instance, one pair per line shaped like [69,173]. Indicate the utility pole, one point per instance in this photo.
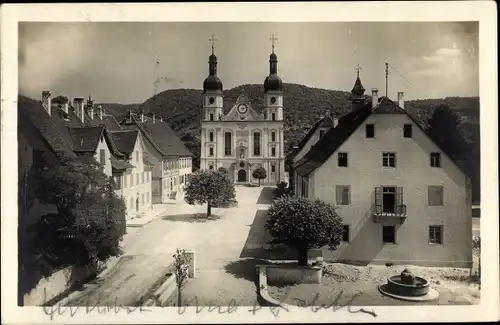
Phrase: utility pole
[386,79]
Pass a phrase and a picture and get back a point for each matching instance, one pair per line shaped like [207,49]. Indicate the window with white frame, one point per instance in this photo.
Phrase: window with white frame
[389,159]
[436,234]
[435,159]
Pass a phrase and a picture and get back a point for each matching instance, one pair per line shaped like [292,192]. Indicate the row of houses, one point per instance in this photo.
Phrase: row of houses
[146,159]
[402,198]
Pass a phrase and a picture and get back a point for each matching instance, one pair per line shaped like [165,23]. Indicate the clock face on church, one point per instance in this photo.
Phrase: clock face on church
[242,109]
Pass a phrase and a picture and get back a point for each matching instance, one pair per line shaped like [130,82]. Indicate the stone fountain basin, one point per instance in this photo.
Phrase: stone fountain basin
[395,286]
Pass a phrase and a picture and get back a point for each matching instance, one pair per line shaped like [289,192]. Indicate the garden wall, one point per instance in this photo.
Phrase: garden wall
[57,284]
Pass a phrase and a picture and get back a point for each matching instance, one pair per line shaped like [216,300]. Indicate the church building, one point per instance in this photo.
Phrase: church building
[243,140]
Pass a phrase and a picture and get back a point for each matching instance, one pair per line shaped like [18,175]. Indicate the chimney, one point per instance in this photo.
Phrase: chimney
[154,118]
[47,101]
[374,97]
[91,112]
[327,113]
[79,108]
[401,99]
[100,111]
[65,106]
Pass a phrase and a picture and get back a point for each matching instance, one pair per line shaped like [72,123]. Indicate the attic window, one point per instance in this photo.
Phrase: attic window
[370,130]
[321,133]
[407,131]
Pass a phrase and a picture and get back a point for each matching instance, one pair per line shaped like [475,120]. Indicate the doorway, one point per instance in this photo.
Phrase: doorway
[242,175]
[389,199]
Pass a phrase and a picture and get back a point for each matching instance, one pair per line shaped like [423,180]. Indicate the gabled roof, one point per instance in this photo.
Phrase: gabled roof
[166,139]
[53,130]
[86,139]
[323,122]
[119,165]
[125,140]
[347,125]
[333,139]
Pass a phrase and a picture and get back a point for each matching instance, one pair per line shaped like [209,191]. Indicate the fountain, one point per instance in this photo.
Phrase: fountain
[407,286]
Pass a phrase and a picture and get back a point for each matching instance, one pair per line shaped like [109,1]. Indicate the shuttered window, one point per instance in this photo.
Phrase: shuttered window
[435,195]
[343,194]
[389,199]
[102,157]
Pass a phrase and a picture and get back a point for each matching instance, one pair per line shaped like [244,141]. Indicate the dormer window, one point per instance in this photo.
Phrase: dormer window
[321,133]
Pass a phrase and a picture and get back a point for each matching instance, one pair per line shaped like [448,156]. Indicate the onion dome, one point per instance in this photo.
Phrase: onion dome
[212,82]
[273,82]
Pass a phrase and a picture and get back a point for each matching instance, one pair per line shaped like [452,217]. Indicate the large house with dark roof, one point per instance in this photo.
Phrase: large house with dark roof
[402,198]
[148,162]
[174,160]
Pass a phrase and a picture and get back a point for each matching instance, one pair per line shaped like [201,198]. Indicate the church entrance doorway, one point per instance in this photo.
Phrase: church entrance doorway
[242,176]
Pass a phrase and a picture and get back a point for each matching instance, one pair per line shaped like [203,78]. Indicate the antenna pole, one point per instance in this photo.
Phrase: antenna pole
[386,79]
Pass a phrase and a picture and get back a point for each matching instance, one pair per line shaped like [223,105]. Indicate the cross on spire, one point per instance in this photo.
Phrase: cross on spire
[358,68]
[212,39]
[272,39]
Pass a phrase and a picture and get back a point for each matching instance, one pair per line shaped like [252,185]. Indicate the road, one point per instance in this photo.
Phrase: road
[218,242]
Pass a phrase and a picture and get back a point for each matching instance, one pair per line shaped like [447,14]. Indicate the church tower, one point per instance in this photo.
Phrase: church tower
[357,93]
[273,90]
[212,90]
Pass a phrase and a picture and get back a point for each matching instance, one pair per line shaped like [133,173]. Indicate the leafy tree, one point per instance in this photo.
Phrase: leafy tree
[303,224]
[444,128]
[60,99]
[90,218]
[181,265]
[211,187]
[223,170]
[259,173]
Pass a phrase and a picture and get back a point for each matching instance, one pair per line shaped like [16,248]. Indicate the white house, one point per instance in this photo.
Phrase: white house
[401,197]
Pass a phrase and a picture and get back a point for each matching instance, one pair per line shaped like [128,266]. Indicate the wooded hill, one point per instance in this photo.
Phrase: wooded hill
[303,107]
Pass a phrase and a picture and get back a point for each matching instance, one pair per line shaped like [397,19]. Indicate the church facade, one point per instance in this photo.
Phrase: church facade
[243,140]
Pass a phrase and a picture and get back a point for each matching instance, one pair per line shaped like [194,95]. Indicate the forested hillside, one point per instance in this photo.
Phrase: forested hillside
[303,106]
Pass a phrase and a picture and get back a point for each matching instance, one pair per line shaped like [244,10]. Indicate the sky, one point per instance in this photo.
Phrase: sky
[115,62]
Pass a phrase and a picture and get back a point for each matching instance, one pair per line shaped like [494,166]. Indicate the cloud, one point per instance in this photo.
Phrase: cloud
[442,56]
[448,52]
[432,72]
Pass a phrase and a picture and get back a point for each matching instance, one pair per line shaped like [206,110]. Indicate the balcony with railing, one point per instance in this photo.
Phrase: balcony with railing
[388,205]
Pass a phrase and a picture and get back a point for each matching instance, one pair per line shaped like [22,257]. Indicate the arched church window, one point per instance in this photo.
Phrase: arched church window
[211,136]
[273,136]
[228,143]
[211,116]
[256,144]
[273,116]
